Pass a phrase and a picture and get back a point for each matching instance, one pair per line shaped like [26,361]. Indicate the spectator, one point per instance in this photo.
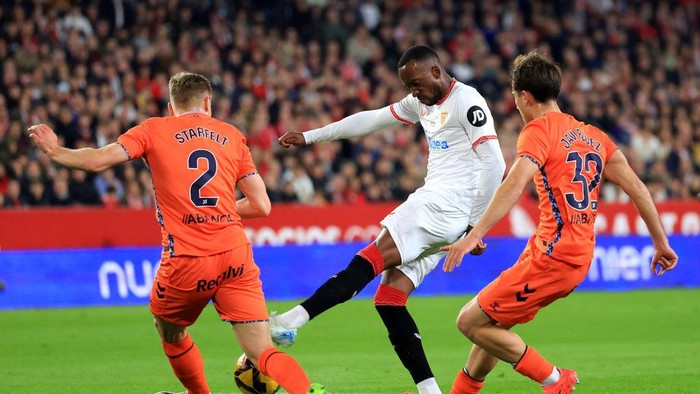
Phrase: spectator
[4,179]
[110,199]
[96,70]
[13,197]
[60,193]
[37,195]
[133,197]
[106,182]
[81,190]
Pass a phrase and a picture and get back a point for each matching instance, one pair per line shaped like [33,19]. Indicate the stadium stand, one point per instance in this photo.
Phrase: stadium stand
[95,69]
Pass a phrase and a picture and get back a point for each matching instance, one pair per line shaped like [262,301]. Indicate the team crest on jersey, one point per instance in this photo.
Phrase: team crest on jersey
[443,117]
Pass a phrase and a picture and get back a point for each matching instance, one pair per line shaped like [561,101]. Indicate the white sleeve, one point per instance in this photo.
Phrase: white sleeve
[477,120]
[356,125]
[492,170]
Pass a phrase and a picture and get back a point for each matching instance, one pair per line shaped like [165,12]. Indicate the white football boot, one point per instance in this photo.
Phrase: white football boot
[280,334]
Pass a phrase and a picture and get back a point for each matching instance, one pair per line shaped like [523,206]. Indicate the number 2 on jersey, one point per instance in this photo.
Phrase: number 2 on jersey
[586,187]
[199,183]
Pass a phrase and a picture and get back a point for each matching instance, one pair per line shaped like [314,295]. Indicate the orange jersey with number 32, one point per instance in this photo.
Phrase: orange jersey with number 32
[195,161]
[570,155]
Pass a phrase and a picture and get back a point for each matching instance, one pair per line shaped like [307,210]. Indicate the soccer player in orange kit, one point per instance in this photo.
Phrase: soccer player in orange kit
[567,159]
[196,162]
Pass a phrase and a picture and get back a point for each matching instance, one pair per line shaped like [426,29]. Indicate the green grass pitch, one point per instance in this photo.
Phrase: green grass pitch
[632,342]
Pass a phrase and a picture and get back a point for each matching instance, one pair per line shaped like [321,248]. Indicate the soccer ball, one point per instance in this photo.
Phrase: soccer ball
[250,380]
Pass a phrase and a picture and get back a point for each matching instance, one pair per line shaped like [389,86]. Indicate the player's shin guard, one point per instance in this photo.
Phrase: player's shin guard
[188,365]
[403,332]
[342,286]
[285,370]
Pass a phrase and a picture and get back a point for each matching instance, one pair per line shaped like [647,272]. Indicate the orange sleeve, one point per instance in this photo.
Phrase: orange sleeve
[136,141]
[610,147]
[247,167]
[532,143]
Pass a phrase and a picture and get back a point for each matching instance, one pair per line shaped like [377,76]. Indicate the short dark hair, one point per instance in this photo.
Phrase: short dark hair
[418,53]
[186,86]
[537,74]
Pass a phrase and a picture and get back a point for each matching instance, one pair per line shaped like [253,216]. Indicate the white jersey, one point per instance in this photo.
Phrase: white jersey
[462,171]
[454,127]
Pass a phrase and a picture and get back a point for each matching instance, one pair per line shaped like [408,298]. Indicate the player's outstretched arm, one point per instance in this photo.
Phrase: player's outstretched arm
[503,200]
[356,125]
[88,159]
[290,138]
[256,202]
[619,172]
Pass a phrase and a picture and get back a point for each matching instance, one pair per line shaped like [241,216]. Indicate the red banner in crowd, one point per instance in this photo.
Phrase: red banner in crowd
[293,224]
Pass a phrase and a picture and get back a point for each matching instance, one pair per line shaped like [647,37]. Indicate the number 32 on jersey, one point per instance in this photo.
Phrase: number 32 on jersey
[590,164]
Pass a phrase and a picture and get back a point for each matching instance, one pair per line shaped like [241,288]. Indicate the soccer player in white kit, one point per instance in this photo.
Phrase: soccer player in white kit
[465,166]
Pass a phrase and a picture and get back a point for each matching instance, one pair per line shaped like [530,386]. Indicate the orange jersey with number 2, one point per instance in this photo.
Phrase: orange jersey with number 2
[195,161]
[571,156]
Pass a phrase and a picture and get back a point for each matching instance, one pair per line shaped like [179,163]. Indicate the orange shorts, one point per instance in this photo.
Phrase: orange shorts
[534,282]
[184,285]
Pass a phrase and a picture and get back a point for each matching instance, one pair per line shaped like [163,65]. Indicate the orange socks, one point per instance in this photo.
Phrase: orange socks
[285,370]
[534,366]
[465,384]
[188,365]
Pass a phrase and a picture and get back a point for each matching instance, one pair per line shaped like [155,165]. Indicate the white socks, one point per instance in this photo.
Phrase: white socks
[294,318]
[553,377]
[428,386]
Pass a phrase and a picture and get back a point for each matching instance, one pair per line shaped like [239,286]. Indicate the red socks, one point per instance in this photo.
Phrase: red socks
[372,254]
[285,370]
[387,295]
[534,366]
[188,365]
[465,384]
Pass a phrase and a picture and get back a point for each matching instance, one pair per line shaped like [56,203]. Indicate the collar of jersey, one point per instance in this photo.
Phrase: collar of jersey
[194,111]
[449,90]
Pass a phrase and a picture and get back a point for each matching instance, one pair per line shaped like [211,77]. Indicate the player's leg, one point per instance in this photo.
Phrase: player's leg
[416,228]
[184,356]
[176,304]
[470,379]
[504,344]
[390,302]
[367,264]
[240,301]
[255,341]
[515,297]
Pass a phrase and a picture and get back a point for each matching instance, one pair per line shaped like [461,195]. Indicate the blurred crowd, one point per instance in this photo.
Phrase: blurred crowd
[95,68]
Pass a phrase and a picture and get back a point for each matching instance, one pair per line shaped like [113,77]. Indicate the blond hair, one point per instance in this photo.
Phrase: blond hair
[187,88]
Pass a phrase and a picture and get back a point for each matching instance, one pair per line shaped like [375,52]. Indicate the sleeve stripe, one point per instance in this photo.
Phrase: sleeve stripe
[247,175]
[125,150]
[400,119]
[532,159]
[483,139]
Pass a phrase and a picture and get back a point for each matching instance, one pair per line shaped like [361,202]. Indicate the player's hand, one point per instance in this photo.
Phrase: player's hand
[44,138]
[479,249]
[664,259]
[457,250]
[290,138]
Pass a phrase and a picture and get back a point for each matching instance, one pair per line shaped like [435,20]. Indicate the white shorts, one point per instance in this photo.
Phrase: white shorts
[419,227]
